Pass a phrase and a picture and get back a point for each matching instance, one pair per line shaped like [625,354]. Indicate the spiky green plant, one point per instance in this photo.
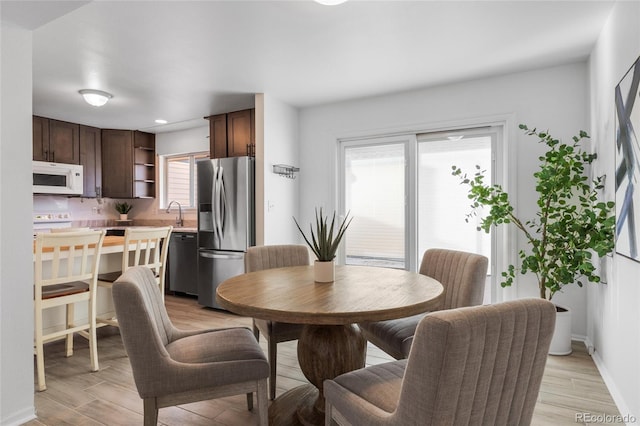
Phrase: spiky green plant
[323,243]
[123,208]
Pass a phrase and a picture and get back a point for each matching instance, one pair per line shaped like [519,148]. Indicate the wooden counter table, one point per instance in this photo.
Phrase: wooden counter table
[330,344]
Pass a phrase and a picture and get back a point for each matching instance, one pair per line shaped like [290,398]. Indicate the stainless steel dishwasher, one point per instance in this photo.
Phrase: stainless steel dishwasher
[183,262]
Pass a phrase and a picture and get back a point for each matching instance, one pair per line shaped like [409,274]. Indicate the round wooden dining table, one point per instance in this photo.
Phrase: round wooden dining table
[331,343]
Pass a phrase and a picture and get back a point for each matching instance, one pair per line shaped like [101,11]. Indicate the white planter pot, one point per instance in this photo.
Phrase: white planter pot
[324,272]
[123,216]
[561,341]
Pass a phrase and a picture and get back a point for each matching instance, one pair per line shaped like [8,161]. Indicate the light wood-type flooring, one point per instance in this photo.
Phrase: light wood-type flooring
[75,396]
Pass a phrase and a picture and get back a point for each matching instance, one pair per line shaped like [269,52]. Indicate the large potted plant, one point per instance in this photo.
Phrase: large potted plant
[324,243]
[571,223]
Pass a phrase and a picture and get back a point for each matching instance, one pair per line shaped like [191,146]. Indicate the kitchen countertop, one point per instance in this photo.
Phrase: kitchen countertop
[115,244]
[112,243]
[175,229]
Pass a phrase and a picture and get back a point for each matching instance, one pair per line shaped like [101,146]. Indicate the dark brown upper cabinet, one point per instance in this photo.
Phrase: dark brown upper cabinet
[232,134]
[128,164]
[91,160]
[56,141]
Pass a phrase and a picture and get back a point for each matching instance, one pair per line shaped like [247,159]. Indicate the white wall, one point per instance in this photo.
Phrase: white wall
[16,250]
[614,314]
[281,146]
[183,141]
[554,98]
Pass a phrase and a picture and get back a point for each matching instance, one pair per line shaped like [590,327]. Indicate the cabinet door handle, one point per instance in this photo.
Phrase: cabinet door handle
[46,155]
[53,157]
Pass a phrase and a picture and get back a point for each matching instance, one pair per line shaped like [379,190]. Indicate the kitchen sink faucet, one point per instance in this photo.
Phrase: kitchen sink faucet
[179,221]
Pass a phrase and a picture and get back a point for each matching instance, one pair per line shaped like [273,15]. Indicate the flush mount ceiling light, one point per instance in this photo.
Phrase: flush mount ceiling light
[95,98]
[330,2]
[161,121]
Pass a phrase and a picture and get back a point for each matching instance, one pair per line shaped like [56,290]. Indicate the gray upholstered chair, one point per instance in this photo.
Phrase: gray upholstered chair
[172,366]
[268,257]
[463,277]
[481,365]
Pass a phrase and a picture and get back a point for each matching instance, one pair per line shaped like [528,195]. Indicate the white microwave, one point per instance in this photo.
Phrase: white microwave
[57,178]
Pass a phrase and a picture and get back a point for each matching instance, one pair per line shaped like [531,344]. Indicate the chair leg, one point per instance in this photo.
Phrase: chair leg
[39,343]
[273,359]
[69,339]
[263,406]
[93,339]
[150,412]
[256,331]
[250,401]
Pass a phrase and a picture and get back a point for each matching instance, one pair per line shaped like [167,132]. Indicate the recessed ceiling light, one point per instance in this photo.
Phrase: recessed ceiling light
[95,98]
[161,121]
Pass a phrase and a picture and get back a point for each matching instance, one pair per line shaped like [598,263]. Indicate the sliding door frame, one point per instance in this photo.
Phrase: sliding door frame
[503,243]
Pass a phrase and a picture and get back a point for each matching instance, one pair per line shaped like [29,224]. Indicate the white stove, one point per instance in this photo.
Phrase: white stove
[46,221]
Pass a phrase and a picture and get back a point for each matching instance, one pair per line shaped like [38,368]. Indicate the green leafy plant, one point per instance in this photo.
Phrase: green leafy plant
[123,208]
[323,242]
[570,224]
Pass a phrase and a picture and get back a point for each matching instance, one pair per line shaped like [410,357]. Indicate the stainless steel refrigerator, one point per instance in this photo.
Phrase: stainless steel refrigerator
[226,221]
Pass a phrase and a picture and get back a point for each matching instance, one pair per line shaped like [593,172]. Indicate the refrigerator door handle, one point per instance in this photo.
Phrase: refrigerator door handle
[219,203]
[214,199]
[210,255]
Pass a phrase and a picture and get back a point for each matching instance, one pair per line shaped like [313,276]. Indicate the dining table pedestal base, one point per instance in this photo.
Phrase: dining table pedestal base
[324,352]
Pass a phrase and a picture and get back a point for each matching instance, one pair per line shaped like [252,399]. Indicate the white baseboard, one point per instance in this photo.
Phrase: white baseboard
[631,419]
[19,417]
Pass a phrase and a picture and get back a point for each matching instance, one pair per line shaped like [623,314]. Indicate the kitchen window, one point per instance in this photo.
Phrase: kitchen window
[179,181]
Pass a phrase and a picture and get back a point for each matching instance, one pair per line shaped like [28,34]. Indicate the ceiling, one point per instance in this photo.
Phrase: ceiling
[183,60]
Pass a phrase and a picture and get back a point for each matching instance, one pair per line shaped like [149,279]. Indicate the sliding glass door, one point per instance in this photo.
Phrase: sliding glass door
[443,205]
[374,194]
[404,199]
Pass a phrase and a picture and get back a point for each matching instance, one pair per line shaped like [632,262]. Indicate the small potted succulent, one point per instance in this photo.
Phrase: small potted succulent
[324,243]
[123,208]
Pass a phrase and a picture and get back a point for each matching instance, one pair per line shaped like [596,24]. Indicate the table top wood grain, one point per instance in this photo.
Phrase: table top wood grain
[358,294]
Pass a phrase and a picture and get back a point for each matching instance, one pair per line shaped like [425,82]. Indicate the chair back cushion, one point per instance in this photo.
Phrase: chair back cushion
[145,327]
[275,256]
[478,365]
[137,295]
[462,275]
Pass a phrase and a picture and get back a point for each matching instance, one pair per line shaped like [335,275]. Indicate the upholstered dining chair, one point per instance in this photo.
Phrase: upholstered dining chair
[65,273]
[268,257]
[143,246]
[172,366]
[480,365]
[463,277]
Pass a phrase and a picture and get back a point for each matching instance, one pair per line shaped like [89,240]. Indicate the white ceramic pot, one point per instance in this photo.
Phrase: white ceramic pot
[324,272]
[123,216]
[561,341]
